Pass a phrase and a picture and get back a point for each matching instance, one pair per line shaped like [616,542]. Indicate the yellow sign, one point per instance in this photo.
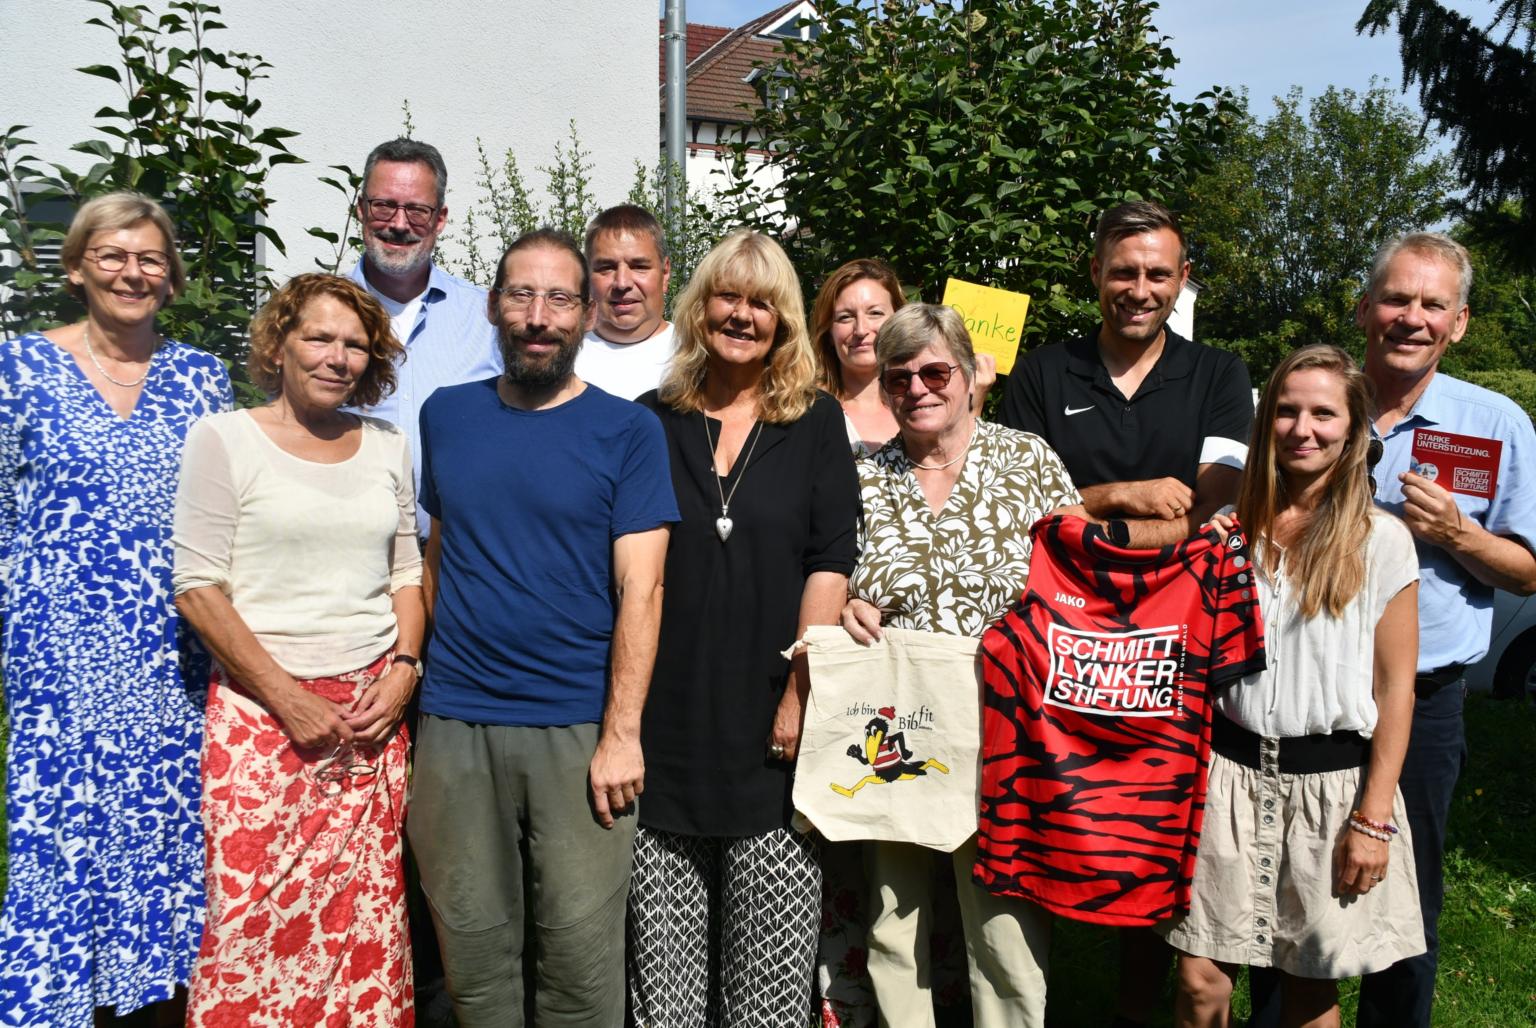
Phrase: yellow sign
[994,317]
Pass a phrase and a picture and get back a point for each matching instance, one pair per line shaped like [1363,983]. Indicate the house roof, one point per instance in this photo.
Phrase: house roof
[700,38]
[718,66]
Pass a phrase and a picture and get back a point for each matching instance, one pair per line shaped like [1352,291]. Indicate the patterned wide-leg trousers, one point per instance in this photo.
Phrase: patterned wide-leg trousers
[723,930]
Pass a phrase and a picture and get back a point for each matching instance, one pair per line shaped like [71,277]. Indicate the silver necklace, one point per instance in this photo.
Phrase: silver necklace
[724,524]
[940,467]
[90,351]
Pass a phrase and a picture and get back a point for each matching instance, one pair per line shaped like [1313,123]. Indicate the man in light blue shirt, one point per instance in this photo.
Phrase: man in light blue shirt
[440,319]
[1415,306]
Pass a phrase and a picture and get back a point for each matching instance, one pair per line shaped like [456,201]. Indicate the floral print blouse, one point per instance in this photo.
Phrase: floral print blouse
[956,571]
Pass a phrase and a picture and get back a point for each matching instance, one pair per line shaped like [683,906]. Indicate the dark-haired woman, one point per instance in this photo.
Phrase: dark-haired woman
[1304,862]
[104,896]
[297,562]
[850,307]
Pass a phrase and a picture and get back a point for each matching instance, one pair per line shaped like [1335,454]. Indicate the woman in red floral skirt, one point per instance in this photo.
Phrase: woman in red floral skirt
[297,562]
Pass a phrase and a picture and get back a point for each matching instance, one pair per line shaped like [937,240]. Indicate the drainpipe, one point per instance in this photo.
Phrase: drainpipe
[677,105]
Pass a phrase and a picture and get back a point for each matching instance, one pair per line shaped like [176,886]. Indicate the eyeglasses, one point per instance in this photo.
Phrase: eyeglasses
[331,774]
[152,263]
[419,215]
[897,381]
[554,299]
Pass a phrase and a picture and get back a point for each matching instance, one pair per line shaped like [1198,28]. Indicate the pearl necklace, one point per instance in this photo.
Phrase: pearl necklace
[90,351]
[953,460]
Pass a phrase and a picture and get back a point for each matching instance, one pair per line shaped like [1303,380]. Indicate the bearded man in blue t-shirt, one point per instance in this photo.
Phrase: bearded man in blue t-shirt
[551,503]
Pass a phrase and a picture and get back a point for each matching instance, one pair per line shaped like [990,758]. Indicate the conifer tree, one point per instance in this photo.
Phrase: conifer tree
[1478,84]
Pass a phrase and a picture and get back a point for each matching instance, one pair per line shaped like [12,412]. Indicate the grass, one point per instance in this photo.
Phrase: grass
[1488,929]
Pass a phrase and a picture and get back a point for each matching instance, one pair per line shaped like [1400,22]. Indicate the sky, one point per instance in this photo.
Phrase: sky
[1266,45]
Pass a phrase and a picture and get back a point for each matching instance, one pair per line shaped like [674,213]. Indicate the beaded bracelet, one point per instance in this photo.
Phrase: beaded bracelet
[1375,829]
[1373,833]
[1380,826]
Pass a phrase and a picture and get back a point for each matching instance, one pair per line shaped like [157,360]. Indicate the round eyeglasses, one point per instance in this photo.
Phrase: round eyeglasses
[152,263]
[554,299]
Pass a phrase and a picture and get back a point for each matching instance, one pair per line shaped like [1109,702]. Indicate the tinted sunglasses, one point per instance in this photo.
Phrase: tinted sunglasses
[935,376]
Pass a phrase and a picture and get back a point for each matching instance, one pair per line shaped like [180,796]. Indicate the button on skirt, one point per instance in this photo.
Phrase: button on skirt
[1263,890]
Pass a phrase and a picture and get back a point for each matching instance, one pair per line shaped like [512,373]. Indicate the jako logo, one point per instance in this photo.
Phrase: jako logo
[1071,601]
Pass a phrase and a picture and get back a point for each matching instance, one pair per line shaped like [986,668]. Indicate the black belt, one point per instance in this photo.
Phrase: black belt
[1427,683]
[1304,755]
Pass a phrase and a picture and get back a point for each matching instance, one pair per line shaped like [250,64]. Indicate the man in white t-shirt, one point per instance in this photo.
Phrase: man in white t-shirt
[627,350]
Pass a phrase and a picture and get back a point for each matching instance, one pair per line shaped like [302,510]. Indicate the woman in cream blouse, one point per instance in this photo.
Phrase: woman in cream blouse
[297,562]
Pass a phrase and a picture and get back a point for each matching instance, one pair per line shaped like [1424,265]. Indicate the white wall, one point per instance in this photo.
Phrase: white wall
[512,72]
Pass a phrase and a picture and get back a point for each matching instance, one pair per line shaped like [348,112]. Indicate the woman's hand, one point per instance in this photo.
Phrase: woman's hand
[786,727]
[381,706]
[1360,863]
[986,378]
[1223,524]
[861,620]
[312,722]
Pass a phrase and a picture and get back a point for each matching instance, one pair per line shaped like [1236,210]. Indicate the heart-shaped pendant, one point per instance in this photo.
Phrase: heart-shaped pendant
[723,526]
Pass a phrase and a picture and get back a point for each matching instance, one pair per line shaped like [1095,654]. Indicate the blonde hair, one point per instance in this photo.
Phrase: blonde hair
[110,213]
[830,371]
[1327,560]
[753,265]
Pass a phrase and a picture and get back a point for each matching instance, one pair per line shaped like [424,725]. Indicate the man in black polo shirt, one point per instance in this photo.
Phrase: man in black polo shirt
[1153,429]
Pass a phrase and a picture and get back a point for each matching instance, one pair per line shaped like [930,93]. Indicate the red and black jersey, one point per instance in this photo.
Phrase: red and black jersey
[1096,725]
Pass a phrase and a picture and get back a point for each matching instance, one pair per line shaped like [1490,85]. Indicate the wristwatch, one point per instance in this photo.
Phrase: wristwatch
[415,665]
[1116,530]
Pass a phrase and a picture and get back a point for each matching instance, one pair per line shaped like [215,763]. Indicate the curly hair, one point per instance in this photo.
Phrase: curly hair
[282,314]
[752,264]
[829,368]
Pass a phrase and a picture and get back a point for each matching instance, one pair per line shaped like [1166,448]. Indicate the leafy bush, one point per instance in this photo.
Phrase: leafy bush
[975,140]
[185,134]
[1517,384]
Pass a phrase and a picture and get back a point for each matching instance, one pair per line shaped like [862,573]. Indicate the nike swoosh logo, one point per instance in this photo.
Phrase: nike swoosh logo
[1070,411]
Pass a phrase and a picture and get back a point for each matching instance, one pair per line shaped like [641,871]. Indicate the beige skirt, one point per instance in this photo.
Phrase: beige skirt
[1263,887]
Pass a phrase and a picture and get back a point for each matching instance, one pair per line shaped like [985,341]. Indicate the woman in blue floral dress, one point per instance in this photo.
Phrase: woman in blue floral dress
[104,901]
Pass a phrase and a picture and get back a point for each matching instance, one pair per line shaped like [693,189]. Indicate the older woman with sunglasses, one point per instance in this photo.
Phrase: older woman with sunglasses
[948,504]
[104,897]
[852,304]
[297,562]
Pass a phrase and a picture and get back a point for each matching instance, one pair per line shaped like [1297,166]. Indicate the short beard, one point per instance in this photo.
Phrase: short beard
[537,373]
[391,262]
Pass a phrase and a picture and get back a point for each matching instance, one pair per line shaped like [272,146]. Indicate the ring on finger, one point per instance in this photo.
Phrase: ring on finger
[776,751]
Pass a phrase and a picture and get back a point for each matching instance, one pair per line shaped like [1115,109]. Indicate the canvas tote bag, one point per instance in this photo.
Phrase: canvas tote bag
[892,737]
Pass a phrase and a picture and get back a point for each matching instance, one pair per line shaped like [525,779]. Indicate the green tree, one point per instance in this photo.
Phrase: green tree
[1501,336]
[691,231]
[1479,85]
[507,207]
[185,134]
[977,139]
[1283,226]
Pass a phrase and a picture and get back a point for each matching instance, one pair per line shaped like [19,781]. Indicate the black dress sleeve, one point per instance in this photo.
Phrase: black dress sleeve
[833,541]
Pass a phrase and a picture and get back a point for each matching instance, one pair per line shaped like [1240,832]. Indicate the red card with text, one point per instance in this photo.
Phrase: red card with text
[1465,464]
